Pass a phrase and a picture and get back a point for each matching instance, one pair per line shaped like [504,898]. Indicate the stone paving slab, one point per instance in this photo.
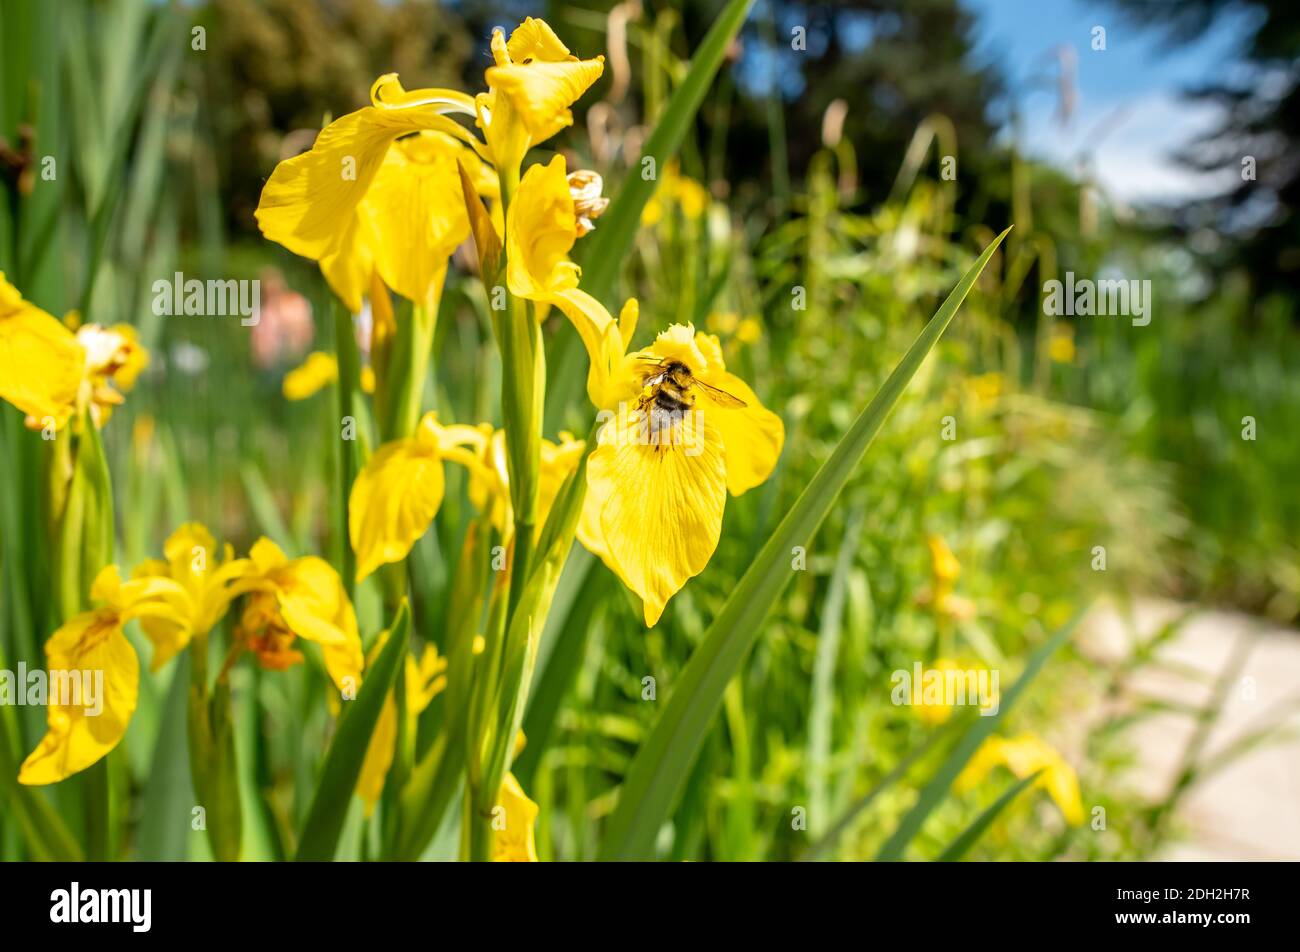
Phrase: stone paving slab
[1251,810]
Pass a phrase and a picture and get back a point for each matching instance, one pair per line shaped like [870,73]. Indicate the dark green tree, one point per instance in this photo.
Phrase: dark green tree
[1259,133]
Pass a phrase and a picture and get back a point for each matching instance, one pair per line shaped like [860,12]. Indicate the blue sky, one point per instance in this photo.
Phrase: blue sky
[1129,116]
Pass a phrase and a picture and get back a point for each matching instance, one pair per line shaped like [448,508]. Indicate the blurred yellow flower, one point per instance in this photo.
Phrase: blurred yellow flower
[657,482]
[113,356]
[945,570]
[425,680]
[51,373]
[489,484]
[209,580]
[41,365]
[92,649]
[934,708]
[1061,346]
[399,491]
[675,189]
[986,388]
[314,374]
[302,598]
[318,371]
[532,84]
[1024,755]
[750,331]
[514,822]
[724,322]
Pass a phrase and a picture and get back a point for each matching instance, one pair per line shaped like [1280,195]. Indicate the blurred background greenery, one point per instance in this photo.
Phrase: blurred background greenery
[811,176]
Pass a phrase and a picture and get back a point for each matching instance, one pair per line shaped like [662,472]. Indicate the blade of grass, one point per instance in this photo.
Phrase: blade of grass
[168,793]
[662,764]
[44,832]
[338,777]
[822,703]
[845,823]
[567,644]
[978,732]
[970,836]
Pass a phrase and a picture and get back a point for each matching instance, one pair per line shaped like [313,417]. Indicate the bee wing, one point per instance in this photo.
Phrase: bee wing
[720,397]
[650,377]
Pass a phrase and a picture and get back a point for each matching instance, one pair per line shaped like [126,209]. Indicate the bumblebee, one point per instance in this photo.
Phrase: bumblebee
[671,383]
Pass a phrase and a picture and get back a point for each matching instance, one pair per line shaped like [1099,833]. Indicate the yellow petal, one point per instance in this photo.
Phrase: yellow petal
[540,230]
[752,436]
[1026,753]
[540,77]
[314,603]
[600,337]
[540,93]
[514,823]
[658,507]
[350,267]
[91,644]
[425,679]
[489,484]
[393,501]
[417,213]
[559,460]
[379,756]
[535,40]
[41,363]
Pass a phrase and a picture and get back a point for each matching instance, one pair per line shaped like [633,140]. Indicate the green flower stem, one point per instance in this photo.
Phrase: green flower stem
[402,383]
[476,833]
[522,400]
[349,362]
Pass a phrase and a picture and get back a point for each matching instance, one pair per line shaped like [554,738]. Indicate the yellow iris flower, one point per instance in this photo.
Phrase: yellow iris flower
[514,840]
[91,645]
[1024,755]
[653,512]
[425,680]
[657,485]
[371,199]
[50,373]
[399,491]
[532,84]
[302,598]
[176,599]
